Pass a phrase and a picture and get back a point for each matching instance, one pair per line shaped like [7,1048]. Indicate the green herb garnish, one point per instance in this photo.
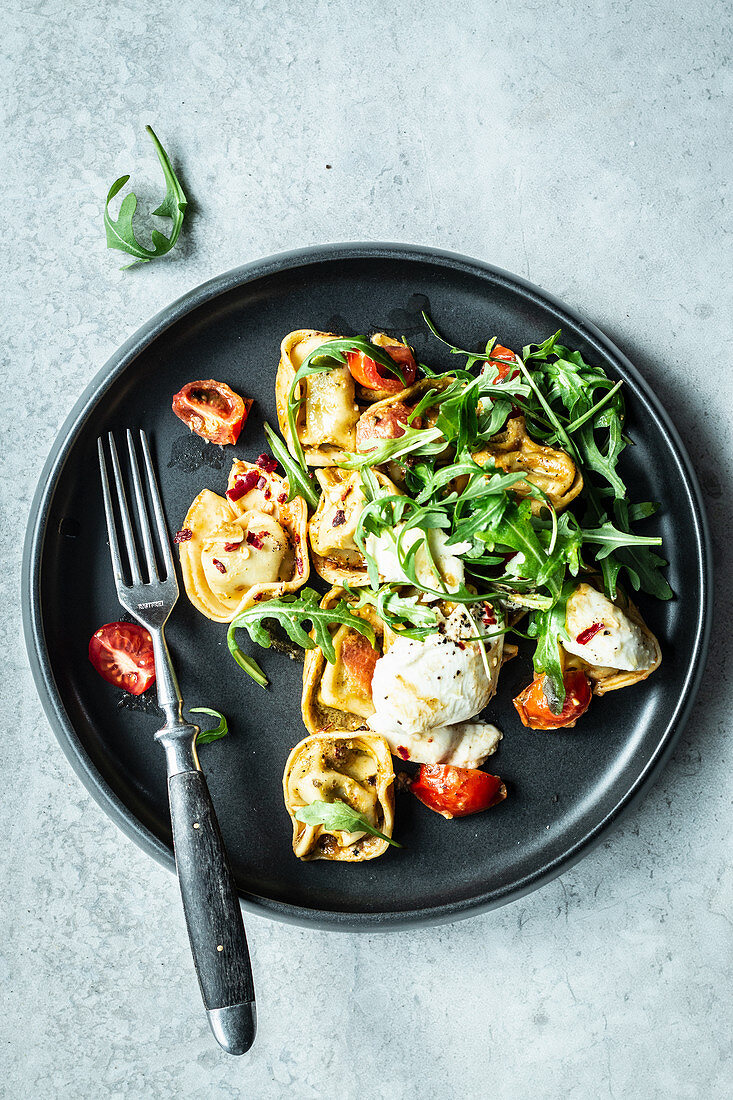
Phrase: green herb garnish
[206,736]
[291,612]
[120,231]
[340,817]
[413,441]
[300,481]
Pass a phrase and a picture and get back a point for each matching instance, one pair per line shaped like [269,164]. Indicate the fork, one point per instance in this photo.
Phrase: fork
[210,903]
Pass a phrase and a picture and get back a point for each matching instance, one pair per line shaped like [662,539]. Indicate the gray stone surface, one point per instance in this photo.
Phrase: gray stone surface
[581,145]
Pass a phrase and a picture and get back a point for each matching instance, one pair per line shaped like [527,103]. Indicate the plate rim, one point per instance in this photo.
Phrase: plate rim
[118,362]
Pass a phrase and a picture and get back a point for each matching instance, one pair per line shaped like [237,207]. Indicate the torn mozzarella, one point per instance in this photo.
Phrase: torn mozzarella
[421,686]
[617,643]
[464,745]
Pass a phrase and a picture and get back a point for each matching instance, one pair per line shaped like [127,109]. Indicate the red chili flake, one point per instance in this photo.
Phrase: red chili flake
[590,632]
[222,568]
[283,498]
[231,546]
[269,465]
[243,485]
[255,540]
[403,752]
[183,535]
[299,564]
[488,618]
[339,518]
[267,494]
[261,483]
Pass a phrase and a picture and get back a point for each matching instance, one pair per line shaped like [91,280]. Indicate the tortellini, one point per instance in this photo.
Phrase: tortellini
[326,418]
[235,552]
[332,529]
[339,695]
[355,768]
[550,469]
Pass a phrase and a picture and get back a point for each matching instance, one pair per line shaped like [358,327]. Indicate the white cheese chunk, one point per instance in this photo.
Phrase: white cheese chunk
[465,745]
[617,643]
[424,685]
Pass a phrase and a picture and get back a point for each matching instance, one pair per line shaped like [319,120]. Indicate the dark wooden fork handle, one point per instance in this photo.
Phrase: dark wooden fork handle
[213,914]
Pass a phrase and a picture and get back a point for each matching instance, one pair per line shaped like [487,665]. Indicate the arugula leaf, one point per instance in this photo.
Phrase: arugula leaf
[206,736]
[641,564]
[291,611]
[300,481]
[397,611]
[247,664]
[611,538]
[642,510]
[548,627]
[120,231]
[416,441]
[341,817]
[471,357]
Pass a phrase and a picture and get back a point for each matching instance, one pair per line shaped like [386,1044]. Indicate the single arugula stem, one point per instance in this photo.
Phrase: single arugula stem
[247,664]
[120,231]
[475,356]
[300,482]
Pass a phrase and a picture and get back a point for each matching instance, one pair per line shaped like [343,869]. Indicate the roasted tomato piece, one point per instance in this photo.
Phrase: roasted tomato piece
[122,654]
[212,410]
[504,359]
[373,376]
[359,657]
[389,423]
[534,709]
[457,792]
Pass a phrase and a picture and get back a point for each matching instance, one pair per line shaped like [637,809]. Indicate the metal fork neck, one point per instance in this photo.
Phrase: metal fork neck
[179,741]
[177,735]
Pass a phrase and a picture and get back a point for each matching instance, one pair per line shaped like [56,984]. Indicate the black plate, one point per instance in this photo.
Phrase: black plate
[565,788]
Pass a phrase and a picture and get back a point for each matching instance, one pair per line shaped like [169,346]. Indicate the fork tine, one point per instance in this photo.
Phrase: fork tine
[114,546]
[157,504]
[142,511]
[125,514]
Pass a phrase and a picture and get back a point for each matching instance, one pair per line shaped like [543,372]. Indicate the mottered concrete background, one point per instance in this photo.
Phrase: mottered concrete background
[585,146]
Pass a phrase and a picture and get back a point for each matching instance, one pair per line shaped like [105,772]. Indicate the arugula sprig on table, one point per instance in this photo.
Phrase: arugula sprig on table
[120,230]
[340,817]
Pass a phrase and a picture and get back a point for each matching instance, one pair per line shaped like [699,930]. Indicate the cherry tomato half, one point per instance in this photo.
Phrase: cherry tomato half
[122,654]
[359,658]
[534,709]
[504,359]
[457,792]
[212,410]
[389,423]
[373,376]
